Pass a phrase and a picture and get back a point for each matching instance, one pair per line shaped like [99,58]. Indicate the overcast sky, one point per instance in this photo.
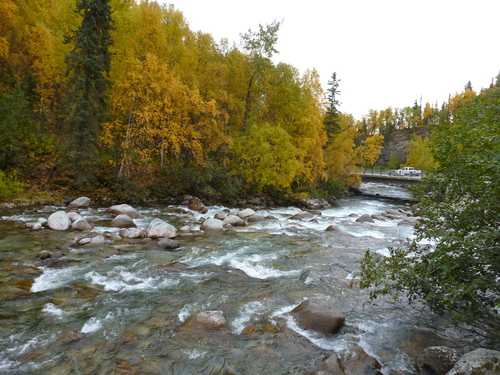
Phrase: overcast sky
[387,53]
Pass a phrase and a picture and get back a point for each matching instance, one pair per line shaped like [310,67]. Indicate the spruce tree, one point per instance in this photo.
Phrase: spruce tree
[332,112]
[89,64]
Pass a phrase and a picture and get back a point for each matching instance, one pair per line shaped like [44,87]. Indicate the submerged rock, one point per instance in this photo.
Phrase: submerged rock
[206,321]
[168,243]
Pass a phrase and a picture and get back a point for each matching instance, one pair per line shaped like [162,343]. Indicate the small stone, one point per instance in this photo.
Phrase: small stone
[44,254]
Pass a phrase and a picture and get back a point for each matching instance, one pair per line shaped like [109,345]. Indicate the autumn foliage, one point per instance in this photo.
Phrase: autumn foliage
[178,103]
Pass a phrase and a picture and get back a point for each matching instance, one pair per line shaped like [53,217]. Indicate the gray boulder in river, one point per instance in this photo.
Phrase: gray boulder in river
[212,225]
[123,221]
[318,315]
[124,209]
[160,229]
[59,220]
[82,202]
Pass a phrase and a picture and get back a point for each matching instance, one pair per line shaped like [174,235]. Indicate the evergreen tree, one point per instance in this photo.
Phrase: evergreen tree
[332,122]
[89,64]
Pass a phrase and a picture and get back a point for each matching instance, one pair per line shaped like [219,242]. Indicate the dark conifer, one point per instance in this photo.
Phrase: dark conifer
[89,64]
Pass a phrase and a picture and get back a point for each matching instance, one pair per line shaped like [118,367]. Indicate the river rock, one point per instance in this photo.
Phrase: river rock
[438,359]
[331,365]
[302,215]
[42,221]
[36,226]
[478,362]
[73,216]
[98,240]
[82,202]
[123,221]
[234,220]
[318,315]
[160,229]
[247,212]
[57,254]
[81,225]
[59,221]
[168,243]
[131,233]
[44,254]
[220,215]
[256,218]
[365,218]
[338,230]
[197,205]
[206,321]
[356,361]
[124,209]
[174,267]
[212,225]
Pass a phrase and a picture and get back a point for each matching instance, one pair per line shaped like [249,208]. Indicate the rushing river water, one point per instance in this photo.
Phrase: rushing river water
[116,309]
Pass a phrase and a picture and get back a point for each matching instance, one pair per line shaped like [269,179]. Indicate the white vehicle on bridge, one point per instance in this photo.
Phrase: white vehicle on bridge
[409,171]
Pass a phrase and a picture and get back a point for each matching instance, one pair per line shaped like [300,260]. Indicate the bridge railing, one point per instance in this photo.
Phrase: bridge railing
[385,172]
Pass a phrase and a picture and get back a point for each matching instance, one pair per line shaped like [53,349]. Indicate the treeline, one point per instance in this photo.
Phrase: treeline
[122,97]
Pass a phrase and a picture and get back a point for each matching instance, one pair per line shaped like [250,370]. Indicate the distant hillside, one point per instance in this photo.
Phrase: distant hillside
[397,143]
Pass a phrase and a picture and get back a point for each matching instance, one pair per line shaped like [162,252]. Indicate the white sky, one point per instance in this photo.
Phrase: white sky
[387,53]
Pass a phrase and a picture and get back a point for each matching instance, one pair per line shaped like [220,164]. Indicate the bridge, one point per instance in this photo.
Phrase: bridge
[370,175]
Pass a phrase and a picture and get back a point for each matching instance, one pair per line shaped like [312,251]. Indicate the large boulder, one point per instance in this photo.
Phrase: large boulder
[212,225]
[478,362]
[246,213]
[59,221]
[160,229]
[82,202]
[234,220]
[123,221]
[318,315]
[437,359]
[206,321]
[124,209]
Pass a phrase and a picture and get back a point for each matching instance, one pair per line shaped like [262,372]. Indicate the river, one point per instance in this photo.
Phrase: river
[116,308]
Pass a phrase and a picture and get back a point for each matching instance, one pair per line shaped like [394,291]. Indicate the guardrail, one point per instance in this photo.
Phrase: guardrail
[385,173]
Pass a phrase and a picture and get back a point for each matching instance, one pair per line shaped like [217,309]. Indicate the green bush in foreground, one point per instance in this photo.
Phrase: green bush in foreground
[458,275]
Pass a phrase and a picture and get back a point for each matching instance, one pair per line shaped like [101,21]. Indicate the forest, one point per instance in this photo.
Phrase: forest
[120,98]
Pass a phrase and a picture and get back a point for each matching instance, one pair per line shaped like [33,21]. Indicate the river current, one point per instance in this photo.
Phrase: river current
[117,308]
